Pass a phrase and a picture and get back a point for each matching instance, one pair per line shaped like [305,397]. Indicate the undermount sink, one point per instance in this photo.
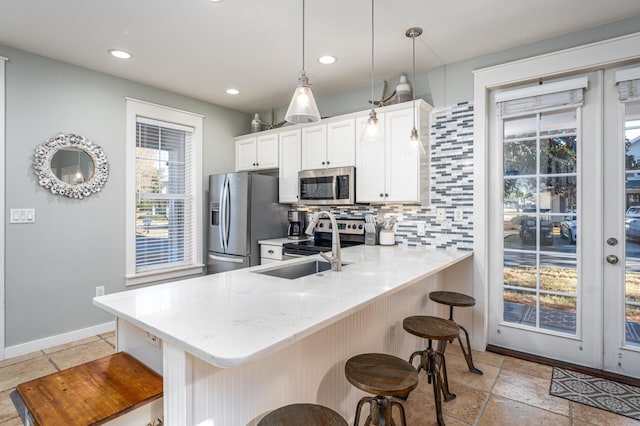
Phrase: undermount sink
[298,270]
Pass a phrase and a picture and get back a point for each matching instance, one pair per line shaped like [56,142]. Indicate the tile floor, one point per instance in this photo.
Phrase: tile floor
[511,391]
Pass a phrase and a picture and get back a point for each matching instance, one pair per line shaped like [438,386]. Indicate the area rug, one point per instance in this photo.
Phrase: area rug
[600,393]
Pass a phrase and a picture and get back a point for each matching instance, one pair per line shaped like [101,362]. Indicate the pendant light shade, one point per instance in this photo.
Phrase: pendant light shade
[415,142]
[303,108]
[373,132]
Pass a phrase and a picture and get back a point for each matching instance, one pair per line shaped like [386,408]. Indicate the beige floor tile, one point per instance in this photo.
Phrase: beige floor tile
[593,416]
[111,341]
[13,422]
[478,357]
[502,411]
[21,358]
[108,335]
[13,375]
[458,373]
[81,354]
[465,408]
[529,390]
[71,345]
[527,367]
[7,409]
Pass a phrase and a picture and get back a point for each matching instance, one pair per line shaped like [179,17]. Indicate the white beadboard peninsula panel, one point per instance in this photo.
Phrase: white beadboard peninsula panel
[310,370]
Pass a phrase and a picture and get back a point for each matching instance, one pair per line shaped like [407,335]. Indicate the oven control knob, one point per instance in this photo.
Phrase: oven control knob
[321,225]
[359,226]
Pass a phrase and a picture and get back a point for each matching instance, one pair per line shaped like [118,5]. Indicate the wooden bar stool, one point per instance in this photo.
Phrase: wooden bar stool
[303,415]
[432,361]
[452,299]
[385,376]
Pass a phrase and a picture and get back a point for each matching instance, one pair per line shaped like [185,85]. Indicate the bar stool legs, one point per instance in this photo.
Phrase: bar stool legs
[452,299]
[380,410]
[432,361]
[434,365]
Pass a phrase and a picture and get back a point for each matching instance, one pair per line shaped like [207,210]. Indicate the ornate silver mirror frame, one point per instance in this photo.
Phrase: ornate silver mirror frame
[47,178]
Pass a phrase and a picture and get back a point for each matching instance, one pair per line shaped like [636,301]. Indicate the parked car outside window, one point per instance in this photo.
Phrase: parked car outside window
[632,223]
[569,227]
[528,231]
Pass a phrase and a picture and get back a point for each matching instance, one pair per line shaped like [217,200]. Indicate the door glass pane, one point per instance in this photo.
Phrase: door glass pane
[540,199]
[632,223]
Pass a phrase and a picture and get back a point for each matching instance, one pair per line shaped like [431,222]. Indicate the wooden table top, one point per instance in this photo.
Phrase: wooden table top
[452,298]
[91,393]
[381,374]
[303,414]
[428,327]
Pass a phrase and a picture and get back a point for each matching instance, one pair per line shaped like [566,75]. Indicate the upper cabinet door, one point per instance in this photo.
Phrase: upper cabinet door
[246,153]
[314,147]
[341,147]
[267,152]
[370,165]
[403,163]
[289,166]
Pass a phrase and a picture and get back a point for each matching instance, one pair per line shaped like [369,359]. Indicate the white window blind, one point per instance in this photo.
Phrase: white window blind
[165,198]
[628,82]
[541,98]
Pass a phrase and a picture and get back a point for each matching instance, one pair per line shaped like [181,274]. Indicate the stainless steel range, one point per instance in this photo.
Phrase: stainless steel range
[351,233]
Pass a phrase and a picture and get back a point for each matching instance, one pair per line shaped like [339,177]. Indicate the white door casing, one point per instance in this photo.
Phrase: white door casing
[2,205]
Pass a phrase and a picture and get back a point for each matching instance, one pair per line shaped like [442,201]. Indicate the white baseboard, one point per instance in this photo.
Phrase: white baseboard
[60,339]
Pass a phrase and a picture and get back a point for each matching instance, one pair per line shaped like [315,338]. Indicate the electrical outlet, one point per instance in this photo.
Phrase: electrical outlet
[99,291]
[422,229]
[393,334]
[440,215]
[152,339]
[457,215]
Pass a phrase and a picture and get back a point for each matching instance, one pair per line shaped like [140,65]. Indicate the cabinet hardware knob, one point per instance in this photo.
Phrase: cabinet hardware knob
[386,195]
[323,163]
[381,194]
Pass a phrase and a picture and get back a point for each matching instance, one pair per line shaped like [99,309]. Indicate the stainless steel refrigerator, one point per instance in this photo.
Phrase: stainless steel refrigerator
[243,209]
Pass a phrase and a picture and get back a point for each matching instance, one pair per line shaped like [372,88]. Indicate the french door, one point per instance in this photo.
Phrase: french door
[566,277]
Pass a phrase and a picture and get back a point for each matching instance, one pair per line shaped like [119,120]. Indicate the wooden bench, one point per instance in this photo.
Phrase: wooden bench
[93,393]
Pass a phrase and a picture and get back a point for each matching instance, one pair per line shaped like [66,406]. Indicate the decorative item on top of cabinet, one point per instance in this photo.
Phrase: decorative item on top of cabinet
[289,165]
[328,145]
[387,172]
[257,152]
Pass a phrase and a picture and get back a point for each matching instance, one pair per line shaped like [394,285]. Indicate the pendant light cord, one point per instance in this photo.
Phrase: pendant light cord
[414,81]
[372,62]
[302,36]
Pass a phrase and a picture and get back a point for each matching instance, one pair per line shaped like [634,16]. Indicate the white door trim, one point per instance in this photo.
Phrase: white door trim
[601,54]
[2,205]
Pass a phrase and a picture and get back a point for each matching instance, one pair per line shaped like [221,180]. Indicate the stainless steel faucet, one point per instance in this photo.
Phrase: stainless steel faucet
[336,257]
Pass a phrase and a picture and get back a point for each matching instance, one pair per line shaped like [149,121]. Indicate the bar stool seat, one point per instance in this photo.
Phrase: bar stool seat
[385,376]
[303,415]
[452,298]
[432,361]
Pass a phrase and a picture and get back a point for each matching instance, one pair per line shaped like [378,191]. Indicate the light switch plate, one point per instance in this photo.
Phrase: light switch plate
[422,229]
[22,215]
[440,215]
[457,215]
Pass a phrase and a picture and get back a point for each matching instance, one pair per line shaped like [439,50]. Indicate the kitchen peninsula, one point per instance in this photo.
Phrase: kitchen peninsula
[237,345]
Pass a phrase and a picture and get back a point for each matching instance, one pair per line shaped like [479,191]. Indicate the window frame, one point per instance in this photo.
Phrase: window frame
[136,108]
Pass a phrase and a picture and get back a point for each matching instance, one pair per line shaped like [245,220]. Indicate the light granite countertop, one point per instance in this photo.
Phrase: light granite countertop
[235,317]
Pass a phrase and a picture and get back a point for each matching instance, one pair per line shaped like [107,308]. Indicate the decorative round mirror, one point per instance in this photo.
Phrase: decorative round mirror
[71,165]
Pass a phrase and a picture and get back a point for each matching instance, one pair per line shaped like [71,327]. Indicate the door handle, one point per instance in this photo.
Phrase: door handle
[612,259]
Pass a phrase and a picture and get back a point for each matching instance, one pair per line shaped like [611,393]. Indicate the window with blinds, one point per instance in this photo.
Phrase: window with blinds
[164,197]
[164,193]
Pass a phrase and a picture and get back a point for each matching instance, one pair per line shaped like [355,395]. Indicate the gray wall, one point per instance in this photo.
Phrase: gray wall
[54,265]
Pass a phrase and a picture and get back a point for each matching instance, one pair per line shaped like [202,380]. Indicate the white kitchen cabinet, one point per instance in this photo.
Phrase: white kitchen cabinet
[290,157]
[391,172]
[257,152]
[328,145]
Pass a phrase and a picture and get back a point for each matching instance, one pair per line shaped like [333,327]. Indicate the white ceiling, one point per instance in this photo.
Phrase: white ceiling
[199,48]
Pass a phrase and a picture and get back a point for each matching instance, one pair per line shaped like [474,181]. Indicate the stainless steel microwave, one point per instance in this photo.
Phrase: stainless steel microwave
[335,186]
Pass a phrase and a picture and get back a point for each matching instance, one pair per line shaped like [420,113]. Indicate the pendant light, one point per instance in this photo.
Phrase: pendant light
[415,142]
[78,178]
[303,108]
[372,132]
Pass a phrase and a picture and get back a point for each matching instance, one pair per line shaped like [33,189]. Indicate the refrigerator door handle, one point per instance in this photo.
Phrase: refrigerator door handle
[226,259]
[223,209]
[227,215]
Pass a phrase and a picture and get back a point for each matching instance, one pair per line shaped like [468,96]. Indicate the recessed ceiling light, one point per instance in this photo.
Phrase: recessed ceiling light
[327,60]
[120,54]
[233,91]
[216,1]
